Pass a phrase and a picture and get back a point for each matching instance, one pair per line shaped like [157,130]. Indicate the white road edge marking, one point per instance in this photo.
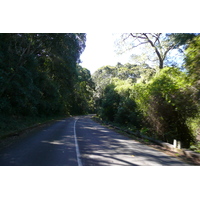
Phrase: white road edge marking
[77,147]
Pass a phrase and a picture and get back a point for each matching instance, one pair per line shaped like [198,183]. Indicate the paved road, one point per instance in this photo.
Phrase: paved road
[79,141]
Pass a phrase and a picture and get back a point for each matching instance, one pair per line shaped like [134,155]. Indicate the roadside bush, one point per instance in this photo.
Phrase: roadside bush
[166,105]
[192,64]
[127,113]
[116,105]
[110,103]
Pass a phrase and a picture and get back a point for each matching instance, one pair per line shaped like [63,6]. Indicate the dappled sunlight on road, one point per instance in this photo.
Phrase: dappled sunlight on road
[55,145]
[103,147]
[57,142]
[50,146]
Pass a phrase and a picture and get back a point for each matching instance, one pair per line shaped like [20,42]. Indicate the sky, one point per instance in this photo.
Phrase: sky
[99,51]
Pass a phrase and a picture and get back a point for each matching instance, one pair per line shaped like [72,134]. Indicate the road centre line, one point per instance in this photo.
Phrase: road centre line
[77,147]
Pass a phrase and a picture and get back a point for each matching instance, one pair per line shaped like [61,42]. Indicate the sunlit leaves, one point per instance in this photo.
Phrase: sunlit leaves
[163,104]
[166,104]
[193,58]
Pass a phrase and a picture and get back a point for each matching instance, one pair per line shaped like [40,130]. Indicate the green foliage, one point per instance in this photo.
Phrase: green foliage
[110,103]
[192,64]
[132,73]
[39,75]
[166,105]
[195,147]
[181,38]
[165,102]
[193,59]
[113,92]
[17,124]
[83,92]
[116,105]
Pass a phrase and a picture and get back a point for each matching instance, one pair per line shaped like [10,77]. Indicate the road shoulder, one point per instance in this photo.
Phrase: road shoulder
[179,154]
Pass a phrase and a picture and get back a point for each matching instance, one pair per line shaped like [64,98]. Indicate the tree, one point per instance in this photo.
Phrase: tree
[83,92]
[192,60]
[38,72]
[192,64]
[110,103]
[160,44]
[112,92]
[182,39]
[167,103]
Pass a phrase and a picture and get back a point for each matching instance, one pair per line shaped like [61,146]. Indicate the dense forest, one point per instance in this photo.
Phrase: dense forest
[41,78]
[161,100]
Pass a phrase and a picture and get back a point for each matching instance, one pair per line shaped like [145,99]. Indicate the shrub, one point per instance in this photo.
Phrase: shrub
[166,105]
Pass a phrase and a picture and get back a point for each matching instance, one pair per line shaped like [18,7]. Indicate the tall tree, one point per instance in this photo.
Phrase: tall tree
[38,72]
[83,92]
[159,43]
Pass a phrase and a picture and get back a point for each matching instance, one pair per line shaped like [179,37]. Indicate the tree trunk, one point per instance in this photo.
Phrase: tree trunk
[160,63]
[157,52]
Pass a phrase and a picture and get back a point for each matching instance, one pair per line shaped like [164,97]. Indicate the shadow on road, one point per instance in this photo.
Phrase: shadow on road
[100,146]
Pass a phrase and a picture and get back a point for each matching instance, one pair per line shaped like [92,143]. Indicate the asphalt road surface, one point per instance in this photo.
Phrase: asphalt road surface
[79,141]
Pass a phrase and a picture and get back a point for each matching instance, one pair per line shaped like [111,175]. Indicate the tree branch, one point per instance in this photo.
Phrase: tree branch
[126,37]
[140,44]
[137,36]
[156,50]
[171,47]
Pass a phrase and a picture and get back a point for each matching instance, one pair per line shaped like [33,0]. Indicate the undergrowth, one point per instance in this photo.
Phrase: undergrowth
[12,124]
